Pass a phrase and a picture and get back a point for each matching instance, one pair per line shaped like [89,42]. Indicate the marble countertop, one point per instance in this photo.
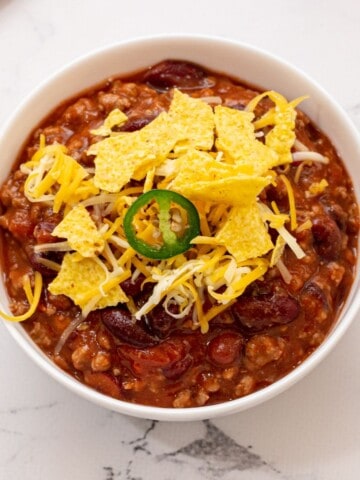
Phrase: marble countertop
[311,432]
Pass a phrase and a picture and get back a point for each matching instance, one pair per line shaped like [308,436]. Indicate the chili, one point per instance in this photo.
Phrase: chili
[161,360]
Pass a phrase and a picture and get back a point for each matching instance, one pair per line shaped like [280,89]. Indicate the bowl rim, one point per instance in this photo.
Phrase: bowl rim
[347,314]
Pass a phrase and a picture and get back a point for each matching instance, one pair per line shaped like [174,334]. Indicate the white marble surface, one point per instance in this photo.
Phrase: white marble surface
[311,432]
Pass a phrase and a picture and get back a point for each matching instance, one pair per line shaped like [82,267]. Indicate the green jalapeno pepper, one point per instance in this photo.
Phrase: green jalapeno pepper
[172,243]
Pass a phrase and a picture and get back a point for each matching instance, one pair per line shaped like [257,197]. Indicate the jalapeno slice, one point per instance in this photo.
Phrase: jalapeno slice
[171,208]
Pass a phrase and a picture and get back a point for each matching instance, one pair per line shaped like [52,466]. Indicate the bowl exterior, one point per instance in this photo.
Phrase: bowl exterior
[237,60]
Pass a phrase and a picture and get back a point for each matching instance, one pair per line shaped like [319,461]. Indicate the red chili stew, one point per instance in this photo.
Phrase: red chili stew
[160,360]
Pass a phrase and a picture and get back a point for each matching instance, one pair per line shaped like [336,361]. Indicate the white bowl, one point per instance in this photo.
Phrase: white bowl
[237,60]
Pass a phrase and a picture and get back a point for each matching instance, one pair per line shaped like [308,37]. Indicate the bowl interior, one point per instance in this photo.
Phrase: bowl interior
[237,60]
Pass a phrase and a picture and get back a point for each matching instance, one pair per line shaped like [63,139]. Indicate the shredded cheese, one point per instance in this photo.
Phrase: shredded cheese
[286,275]
[299,146]
[214,157]
[55,176]
[304,226]
[290,192]
[317,188]
[33,298]
[310,156]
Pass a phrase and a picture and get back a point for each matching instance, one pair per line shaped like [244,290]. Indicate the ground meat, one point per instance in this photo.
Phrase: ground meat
[263,349]
[101,362]
[162,361]
[82,357]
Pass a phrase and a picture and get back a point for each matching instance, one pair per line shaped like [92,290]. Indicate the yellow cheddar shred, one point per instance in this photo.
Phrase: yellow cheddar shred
[318,188]
[33,297]
[292,207]
[55,176]
[220,158]
[282,117]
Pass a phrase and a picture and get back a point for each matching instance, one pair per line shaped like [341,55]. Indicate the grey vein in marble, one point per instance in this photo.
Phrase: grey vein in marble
[14,411]
[142,444]
[209,457]
[219,454]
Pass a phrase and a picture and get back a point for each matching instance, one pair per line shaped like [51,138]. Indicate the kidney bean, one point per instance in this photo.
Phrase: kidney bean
[160,322]
[35,260]
[136,123]
[175,73]
[150,359]
[327,237]
[338,214]
[59,302]
[315,301]
[43,232]
[277,194]
[132,288]
[239,106]
[225,348]
[177,369]
[261,311]
[123,326]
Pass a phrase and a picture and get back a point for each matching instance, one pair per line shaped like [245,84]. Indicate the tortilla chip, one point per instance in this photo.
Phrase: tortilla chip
[130,155]
[115,118]
[81,232]
[236,138]
[203,177]
[193,120]
[244,233]
[81,279]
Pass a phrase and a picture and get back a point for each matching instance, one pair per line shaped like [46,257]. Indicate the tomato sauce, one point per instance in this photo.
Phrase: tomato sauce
[276,324]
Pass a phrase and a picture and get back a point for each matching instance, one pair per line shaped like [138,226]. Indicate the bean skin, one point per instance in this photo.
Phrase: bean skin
[165,357]
[327,237]
[160,322]
[317,306]
[338,214]
[43,231]
[136,123]
[177,369]
[35,260]
[225,348]
[261,311]
[133,288]
[124,327]
[175,73]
